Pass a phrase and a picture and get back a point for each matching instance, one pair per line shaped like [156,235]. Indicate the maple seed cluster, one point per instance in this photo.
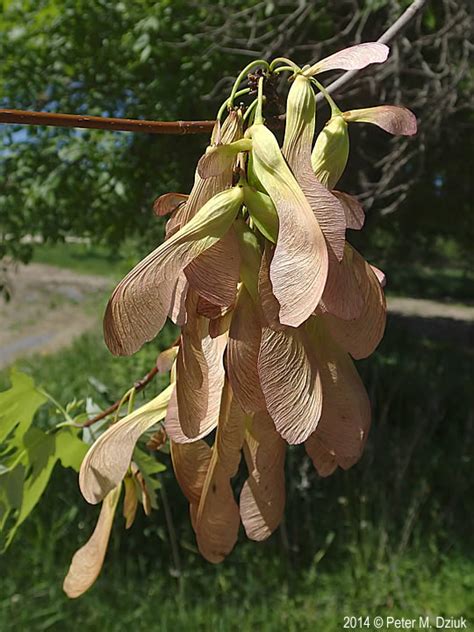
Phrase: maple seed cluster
[273,305]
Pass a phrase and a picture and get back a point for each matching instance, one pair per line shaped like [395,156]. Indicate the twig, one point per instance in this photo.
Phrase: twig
[385,38]
[139,386]
[23,117]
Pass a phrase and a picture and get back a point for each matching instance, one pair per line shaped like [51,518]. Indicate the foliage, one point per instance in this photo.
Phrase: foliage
[158,59]
[28,453]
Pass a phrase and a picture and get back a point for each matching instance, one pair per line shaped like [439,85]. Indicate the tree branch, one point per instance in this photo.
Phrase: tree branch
[22,117]
[385,38]
[139,386]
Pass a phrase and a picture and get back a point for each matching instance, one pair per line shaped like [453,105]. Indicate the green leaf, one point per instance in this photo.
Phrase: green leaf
[18,405]
[22,487]
[148,466]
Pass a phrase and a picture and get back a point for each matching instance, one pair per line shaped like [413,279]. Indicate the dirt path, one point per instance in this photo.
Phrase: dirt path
[430,309]
[51,306]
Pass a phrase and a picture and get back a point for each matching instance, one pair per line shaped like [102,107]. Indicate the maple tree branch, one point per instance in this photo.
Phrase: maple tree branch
[24,117]
[138,386]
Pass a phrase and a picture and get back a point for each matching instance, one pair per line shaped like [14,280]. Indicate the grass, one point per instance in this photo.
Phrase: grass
[88,259]
[441,280]
[387,537]
[248,597]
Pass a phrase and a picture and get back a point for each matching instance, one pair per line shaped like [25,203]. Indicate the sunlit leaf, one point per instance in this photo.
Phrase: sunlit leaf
[18,405]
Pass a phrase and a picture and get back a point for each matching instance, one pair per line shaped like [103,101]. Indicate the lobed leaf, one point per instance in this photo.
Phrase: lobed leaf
[18,405]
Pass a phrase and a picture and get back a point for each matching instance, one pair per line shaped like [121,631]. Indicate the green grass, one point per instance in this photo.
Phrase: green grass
[257,595]
[388,537]
[440,283]
[85,258]
[440,280]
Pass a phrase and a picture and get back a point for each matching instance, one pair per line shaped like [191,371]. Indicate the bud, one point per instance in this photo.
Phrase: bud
[250,257]
[300,121]
[330,152]
[262,211]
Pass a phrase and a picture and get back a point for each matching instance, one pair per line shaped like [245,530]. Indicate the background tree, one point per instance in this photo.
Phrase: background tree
[160,60]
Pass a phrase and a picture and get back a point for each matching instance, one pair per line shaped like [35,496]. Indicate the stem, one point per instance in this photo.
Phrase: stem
[284,68]
[285,61]
[24,117]
[226,103]
[334,109]
[138,386]
[122,402]
[259,110]
[131,401]
[171,533]
[250,109]
[70,420]
[243,74]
